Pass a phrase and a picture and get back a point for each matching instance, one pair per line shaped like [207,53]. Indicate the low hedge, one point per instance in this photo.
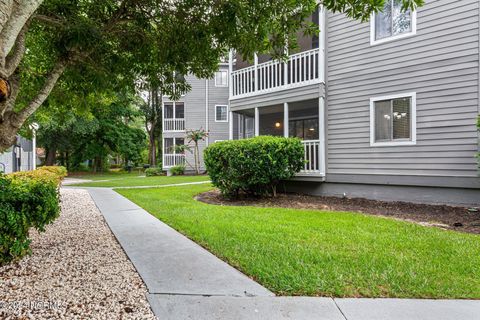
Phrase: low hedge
[53,174]
[177,170]
[254,166]
[152,172]
[29,199]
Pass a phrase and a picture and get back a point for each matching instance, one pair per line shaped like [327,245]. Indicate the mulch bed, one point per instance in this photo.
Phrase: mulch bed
[441,216]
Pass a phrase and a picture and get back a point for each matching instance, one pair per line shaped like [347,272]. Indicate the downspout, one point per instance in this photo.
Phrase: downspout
[207,127]
[321,74]
[230,93]
[478,131]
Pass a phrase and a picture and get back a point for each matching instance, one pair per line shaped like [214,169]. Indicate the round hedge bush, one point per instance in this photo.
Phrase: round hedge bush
[254,166]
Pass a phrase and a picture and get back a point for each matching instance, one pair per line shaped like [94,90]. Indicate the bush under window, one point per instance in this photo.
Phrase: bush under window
[254,166]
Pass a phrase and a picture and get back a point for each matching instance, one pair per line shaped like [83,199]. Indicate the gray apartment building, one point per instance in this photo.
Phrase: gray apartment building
[205,106]
[20,157]
[386,109]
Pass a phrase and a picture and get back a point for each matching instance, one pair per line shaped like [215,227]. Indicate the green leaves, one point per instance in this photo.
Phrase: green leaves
[362,10]
[27,202]
[254,166]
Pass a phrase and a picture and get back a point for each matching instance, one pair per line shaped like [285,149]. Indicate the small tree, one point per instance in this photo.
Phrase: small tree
[196,136]
[151,109]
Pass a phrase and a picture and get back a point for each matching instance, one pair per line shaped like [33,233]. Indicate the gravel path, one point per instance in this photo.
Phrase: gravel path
[77,271]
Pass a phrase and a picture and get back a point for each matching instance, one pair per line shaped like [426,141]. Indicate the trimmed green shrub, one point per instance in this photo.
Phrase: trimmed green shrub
[58,170]
[254,166]
[53,174]
[177,170]
[28,200]
[151,172]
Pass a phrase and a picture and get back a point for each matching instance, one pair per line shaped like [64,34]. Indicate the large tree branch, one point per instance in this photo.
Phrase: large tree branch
[21,12]
[9,103]
[15,57]
[6,7]
[42,95]
[15,89]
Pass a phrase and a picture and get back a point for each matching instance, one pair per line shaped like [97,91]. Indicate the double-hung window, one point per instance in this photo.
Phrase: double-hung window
[392,23]
[221,78]
[393,120]
[221,113]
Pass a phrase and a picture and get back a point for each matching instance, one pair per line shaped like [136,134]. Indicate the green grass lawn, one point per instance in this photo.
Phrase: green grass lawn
[308,252]
[134,179]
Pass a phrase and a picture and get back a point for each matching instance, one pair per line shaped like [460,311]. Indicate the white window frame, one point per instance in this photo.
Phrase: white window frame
[413,32]
[221,105]
[413,120]
[215,78]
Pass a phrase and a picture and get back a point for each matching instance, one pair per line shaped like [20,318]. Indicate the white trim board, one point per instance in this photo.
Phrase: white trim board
[413,120]
[228,111]
[374,42]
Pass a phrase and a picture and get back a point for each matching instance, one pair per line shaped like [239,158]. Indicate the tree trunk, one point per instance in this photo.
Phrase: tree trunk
[51,157]
[11,121]
[197,159]
[97,164]
[8,134]
[152,149]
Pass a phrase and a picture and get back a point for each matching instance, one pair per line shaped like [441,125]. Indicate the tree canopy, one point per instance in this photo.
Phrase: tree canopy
[109,127]
[110,43]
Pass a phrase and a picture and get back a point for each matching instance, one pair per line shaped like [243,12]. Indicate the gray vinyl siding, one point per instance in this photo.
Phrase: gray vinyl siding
[217,96]
[9,161]
[440,63]
[195,113]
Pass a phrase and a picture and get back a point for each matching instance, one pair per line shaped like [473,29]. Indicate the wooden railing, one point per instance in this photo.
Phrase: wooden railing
[170,124]
[300,69]
[170,160]
[311,149]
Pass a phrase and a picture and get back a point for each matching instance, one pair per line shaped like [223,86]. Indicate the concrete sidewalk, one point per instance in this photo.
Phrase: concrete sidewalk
[186,281]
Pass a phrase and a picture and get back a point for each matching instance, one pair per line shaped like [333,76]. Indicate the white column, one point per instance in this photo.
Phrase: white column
[163,152]
[285,119]
[230,125]
[174,119]
[322,102]
[321,131]
[257,122]
[285,70]
[322,41]
[163,117]
[256,81]
[207,125]
[230,78]
[34,149]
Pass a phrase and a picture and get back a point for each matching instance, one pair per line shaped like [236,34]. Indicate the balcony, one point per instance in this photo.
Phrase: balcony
[300,69]
[300,119]
[311,150]
[172,159]
[173,116]
[173,125]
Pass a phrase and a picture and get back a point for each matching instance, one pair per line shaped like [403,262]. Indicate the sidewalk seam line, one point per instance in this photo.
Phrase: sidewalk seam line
[338,307]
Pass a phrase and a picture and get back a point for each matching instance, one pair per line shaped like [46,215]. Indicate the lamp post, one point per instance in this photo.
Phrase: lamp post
[35,126]
[151,144]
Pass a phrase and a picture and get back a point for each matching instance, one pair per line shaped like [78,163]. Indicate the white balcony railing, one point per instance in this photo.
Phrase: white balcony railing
[300,69]
[170,160]
[311,149]
[173,124]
